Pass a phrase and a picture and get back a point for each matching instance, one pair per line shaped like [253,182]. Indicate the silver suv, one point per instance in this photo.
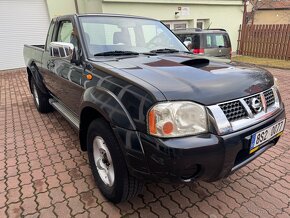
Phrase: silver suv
[210,42]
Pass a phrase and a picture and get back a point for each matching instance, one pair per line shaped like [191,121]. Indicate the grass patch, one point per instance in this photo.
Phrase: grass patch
[266,62]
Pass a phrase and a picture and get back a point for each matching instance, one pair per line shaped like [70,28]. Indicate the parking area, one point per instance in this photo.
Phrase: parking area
[44,173]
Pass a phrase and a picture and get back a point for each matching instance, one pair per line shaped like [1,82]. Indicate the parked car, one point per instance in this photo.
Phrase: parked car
[212,42]
[146,109]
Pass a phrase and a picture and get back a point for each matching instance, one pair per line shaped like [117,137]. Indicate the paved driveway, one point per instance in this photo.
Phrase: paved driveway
[44,173]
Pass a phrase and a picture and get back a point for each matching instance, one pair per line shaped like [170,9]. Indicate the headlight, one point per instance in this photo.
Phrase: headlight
[175,119]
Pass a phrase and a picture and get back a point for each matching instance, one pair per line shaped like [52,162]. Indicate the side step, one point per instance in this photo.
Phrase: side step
[63,110]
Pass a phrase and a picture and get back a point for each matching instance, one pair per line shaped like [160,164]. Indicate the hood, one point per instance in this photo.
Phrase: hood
[187,77]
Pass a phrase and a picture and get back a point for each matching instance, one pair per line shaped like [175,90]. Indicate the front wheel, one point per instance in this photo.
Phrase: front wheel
[108,165]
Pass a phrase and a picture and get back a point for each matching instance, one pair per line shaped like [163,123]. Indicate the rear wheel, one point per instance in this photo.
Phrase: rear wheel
[108,165]
[41,100]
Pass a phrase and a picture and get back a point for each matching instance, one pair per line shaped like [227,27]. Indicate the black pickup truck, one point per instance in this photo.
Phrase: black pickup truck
[145,108]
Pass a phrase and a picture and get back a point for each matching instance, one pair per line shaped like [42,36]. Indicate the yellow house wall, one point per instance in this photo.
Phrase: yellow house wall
[221,16]
[63,7]
[272,17]
[60,7]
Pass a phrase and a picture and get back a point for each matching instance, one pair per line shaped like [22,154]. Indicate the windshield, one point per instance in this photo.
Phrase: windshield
[107,34]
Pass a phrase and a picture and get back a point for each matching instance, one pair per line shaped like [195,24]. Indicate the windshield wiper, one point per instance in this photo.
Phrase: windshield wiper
[164,50]
[113,53]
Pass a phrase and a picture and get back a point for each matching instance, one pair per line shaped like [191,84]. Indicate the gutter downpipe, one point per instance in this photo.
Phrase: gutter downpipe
[76,6]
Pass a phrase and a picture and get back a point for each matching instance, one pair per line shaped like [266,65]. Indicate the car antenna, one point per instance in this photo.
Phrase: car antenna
[209,25]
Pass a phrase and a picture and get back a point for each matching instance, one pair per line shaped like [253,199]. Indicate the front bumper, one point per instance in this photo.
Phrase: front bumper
[206,157]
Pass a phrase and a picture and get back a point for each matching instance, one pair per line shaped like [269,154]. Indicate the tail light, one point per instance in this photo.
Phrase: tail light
[198,51]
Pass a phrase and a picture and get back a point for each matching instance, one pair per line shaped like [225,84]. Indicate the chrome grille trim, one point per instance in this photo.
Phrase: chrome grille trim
[225,125]
[270,98]
[218,118]
[233,110]
[247,108]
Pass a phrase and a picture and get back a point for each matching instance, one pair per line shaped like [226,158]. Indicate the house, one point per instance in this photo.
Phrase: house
[26,22]
[185,13]
[269,12]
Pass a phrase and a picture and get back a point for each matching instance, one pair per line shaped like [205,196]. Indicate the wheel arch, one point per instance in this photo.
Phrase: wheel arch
[33,72]
[88,114]
[98,102]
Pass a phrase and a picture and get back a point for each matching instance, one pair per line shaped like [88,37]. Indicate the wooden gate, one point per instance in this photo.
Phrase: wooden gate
[265,41]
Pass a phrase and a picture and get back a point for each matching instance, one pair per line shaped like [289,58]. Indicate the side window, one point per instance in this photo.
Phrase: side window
[220,42]
[49,35]
[65,31]
[215,41]
[208,41]
[227,41]
[65,34]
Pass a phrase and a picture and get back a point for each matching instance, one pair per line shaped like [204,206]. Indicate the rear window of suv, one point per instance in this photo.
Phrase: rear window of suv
[216,40]
[194,39]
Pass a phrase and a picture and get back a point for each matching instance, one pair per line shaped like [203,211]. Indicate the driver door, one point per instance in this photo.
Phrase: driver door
[66,76]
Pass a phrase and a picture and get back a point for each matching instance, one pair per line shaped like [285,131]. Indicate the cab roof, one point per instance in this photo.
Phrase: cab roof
[104,15]
[197,30]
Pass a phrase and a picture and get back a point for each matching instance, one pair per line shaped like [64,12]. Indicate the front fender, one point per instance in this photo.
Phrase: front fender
[109,106]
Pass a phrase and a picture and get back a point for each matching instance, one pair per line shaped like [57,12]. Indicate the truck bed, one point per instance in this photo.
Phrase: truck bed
[33,53]
[38,46]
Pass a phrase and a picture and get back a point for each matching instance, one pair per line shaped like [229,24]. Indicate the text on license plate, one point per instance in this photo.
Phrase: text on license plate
[265,135]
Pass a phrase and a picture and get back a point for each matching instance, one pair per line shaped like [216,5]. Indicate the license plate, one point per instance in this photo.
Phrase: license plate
[265,135]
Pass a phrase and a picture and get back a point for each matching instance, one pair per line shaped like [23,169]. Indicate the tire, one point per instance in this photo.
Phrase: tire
[41,100]
[119,186]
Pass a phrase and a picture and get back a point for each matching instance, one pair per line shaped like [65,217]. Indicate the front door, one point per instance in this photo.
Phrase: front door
[66,78]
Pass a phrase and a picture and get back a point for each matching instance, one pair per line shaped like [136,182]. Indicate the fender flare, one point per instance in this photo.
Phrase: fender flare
[108,105]
[34,72]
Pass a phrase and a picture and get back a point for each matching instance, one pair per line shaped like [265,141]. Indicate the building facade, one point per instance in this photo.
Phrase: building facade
[26,22]
[225,14]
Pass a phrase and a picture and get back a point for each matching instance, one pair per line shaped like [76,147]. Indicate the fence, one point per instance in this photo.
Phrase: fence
[265,41]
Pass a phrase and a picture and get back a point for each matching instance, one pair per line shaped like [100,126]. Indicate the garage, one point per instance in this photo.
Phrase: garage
[27,24]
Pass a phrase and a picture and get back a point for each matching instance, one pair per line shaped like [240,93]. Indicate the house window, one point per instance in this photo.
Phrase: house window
[179,26]
[168,25]
[200,24]
[203,23]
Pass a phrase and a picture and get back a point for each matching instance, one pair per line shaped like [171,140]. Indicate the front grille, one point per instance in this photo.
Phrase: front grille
[233,110]
[269,96]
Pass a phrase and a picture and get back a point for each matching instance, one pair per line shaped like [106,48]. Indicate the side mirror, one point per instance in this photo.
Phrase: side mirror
[61,50]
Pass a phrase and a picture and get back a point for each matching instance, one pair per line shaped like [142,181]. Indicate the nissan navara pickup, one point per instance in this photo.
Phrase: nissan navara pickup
[147,109]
